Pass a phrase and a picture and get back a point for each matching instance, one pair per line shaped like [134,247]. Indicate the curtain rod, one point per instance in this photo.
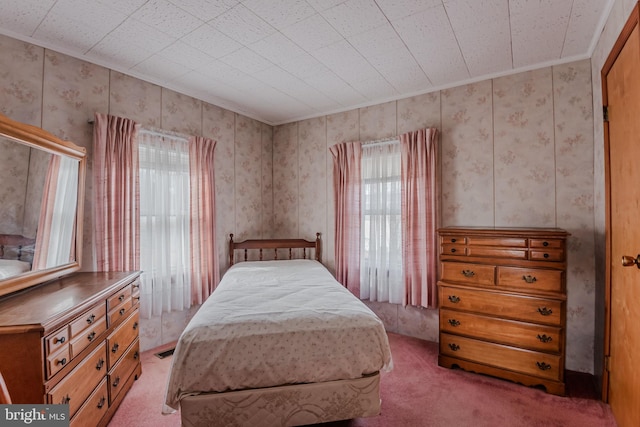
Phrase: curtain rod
[157,132]
[381,142]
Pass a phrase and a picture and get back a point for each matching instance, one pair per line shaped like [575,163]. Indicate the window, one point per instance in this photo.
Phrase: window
[164,221]
[381,228]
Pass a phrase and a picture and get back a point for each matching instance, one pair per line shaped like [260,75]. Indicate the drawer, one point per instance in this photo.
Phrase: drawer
[542,365]
[87,320]
[498,252]
[531,279]
[517,307]
[119,312]
[57,340]
[82,340]
[120,339]
[547,255]
[476,274]
[94,407]
[122,371]
[119,297]
[80,382]
[57,361]
[547,243]
[507,242]
[448,238]
[511,332]
[453,249]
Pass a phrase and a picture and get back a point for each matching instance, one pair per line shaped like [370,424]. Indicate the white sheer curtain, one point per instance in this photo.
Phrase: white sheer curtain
[381,245]
[164,223]
[63,220]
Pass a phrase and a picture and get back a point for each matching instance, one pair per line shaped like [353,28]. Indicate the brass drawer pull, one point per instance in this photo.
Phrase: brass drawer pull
[545,311]
[529,279]
[135,326]
[122,310]
[100,364]
[91,336]
[59,340]
[453,250]
[121,297]
[544,338]
[62,361]
[454,322]
[136,355]
[454,240]
[65,400]
[545,243]
[543,366]
[101,402]
[115,347]
[116,382]
[91,318]
[468,273]
[454,347]
[454,299]
[546,255]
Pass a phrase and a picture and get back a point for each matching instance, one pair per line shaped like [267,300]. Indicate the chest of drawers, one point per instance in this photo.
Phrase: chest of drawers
[73,341]
[502,300]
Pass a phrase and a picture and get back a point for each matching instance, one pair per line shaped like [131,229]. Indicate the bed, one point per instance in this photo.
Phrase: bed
[16,254]
[279,342]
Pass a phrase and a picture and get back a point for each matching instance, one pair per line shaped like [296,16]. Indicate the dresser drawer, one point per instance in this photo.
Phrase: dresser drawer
[511,332]
[547,243]
[57,340]
[543,365]
[546,255]
[123,370]
[453,250]
[119,312]
[119,297]
[476,274]
[57,361]
[87,336]
[94,407]
[497,252]
[512,306]
[120,339]
[78,385]
[507,242]
[531,279]
[87,320]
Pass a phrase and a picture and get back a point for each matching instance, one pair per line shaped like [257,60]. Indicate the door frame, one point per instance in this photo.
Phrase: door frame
[625,33]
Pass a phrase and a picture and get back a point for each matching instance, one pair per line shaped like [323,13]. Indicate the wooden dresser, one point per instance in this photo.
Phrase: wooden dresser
[73,340]
[502,294]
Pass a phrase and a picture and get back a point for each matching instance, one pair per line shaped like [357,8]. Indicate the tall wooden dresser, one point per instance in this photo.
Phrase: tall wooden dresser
[502,299]
[73,341]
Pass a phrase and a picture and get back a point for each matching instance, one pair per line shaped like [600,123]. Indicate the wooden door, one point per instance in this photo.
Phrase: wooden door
[621,95]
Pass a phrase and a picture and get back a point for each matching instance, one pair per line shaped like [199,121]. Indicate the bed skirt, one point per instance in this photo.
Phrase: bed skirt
[290,405]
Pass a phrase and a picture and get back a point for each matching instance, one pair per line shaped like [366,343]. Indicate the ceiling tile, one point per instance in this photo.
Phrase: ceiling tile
[483,33]
[23,16]
[312,33]
[247,60]
[280,13]
[160,68]
[203,9]
[211,41]
[278,48]
[187,55]
[396,9]
[166,17]
[242,25]
[354,17]
[585,16]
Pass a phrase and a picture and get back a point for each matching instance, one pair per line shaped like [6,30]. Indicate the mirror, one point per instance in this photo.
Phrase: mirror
[41,205]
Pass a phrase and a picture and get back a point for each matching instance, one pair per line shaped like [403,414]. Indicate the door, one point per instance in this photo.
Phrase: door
[621,94]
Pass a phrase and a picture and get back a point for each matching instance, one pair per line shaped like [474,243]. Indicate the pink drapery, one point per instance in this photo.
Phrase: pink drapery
[116,194]
[347,187]
[205,273]
[40,254]
[419,208]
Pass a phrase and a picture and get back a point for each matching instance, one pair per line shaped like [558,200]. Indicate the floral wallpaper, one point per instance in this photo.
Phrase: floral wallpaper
[519,150]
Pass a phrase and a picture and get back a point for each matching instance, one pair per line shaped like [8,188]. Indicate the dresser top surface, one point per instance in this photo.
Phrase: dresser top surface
[505,231]
[45,304]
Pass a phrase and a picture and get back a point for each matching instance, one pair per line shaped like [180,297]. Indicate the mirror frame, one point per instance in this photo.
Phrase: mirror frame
[36,137]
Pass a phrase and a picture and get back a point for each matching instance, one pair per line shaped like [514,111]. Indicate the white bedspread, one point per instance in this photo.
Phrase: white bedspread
[272,323]
[11,267]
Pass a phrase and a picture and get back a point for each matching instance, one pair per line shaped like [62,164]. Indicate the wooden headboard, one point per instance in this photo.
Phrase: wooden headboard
[17,241]
[275,244]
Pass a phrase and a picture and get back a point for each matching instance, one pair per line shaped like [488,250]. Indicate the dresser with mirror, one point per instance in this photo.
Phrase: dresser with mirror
[66,336]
